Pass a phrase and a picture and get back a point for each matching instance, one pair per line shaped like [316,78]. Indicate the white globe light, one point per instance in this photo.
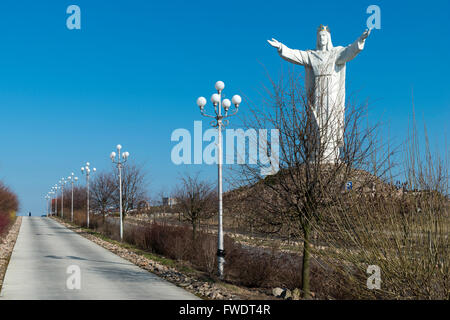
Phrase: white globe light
[201,102]
[119,147]
[226,104]
[82,168]
[88,164]
[76,178]
[215,98]
[236,100]
[112,155]
[220,85]
[126,154]
[94,169]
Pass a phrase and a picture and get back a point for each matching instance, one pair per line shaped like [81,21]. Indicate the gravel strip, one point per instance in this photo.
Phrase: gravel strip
[202,289]
[6,247]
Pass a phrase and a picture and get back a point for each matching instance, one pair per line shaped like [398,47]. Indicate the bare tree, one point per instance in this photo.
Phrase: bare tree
[195,199]
[307,181]
[134,187]
[79,198]
[103,188]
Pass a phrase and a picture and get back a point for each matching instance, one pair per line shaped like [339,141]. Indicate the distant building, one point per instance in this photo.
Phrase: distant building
[167,201]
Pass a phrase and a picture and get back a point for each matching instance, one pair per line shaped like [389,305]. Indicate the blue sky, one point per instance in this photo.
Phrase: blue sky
[131,75]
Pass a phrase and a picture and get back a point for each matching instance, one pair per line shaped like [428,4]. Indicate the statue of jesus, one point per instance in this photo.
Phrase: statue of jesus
[325,85]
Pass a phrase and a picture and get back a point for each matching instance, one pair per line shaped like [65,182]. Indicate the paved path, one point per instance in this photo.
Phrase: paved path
[45,249]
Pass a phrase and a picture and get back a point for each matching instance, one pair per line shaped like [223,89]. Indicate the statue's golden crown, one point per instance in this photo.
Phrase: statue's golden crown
[323,28]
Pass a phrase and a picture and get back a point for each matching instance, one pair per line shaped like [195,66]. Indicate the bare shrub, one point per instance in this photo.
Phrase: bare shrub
[204,254]
[9,204]
[404,232]
[254,268]
[4,223]
[79,218]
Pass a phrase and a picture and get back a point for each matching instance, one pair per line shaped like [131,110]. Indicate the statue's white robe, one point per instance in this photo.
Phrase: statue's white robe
[325,84]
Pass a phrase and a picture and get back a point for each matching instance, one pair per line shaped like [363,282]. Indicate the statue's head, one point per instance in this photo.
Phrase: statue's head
[323,38]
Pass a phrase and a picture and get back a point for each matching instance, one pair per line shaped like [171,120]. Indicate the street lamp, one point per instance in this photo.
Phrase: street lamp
[47,197]
[50,193]
[55,190]
[121,159]
[62,182]
[72,180]
[87,171]
[219,123]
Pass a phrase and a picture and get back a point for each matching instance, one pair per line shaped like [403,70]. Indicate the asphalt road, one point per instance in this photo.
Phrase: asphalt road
[44,253]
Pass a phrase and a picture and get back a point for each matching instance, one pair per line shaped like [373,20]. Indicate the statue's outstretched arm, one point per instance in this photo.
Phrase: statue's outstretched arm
[291,55]
[350,52]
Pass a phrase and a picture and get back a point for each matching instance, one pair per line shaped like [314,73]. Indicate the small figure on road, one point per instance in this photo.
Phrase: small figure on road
[29,214]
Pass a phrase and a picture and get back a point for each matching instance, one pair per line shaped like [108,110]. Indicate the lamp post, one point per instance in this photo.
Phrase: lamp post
[47,197]
[72,180]
[62,182]
[55,188]
[219,122]
[52,207]
[121,159]
[50,193]
[86,170]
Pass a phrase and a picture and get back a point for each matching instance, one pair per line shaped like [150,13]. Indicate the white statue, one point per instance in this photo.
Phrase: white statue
[325,84]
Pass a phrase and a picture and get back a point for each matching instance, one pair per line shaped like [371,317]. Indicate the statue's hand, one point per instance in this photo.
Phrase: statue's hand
[274,43]
[365,34]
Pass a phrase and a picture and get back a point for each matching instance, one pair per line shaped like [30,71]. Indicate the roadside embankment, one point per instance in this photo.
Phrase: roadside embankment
[7,243]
